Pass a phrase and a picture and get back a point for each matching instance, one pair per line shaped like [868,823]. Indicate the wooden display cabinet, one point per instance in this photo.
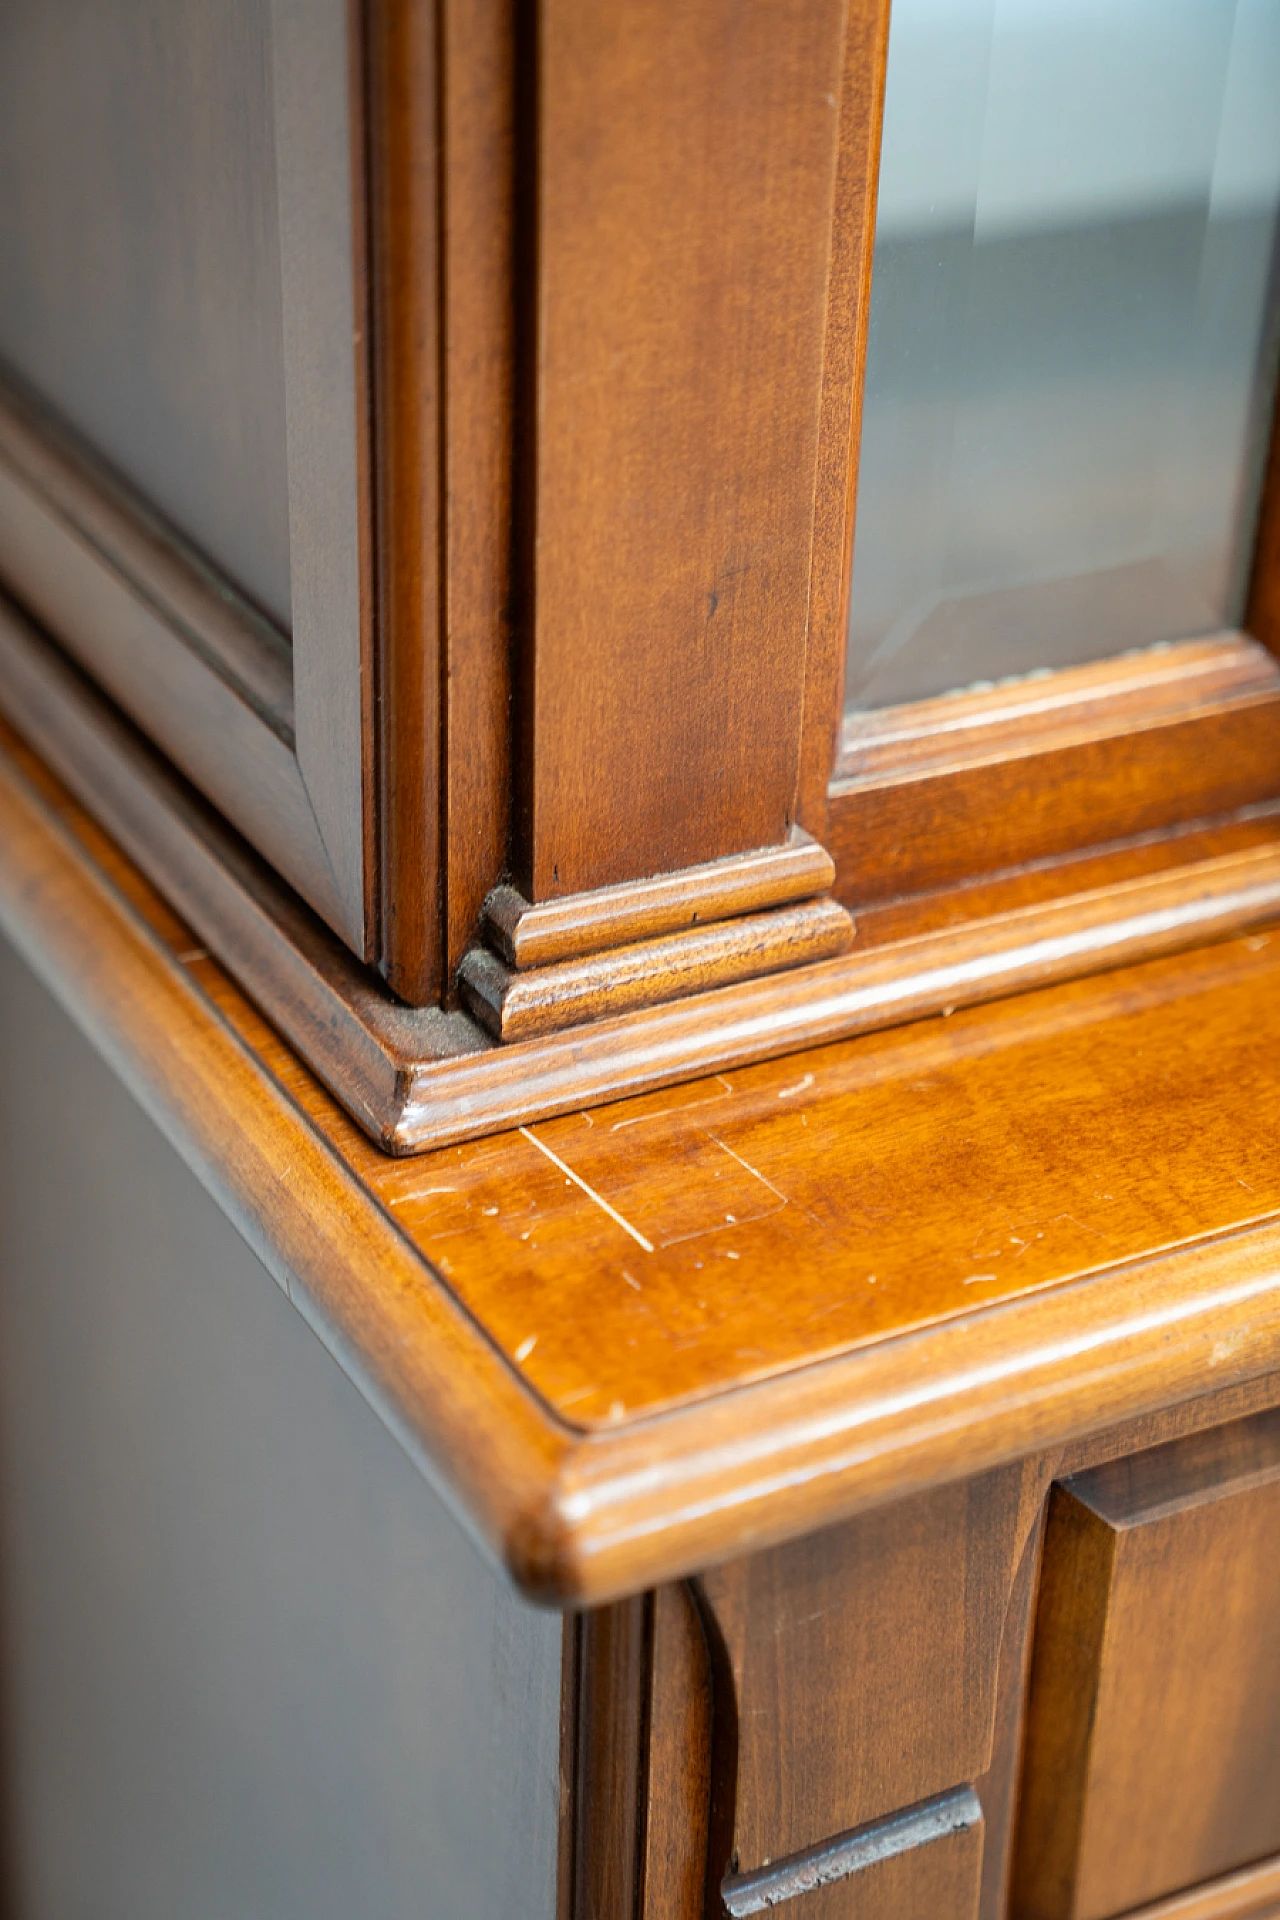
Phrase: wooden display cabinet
[426,548]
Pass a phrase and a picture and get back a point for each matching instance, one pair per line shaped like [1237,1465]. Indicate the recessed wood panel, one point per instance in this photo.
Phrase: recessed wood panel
[1153,1752]
[863,1666]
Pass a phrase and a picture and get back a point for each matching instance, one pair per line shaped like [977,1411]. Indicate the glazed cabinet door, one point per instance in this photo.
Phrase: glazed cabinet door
[1153,1737]
[183,407]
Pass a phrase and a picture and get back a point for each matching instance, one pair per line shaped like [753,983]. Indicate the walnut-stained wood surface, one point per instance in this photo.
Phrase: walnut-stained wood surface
[641,1739]
[585,923]
[684,202]
[420,1077]
[520,1006]
[950,788]
[1252,1894]
[1153,1744]
[1099,1242]
[863,1664]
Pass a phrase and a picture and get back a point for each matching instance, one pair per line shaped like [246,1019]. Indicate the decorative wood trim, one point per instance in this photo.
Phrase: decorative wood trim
[641,1762]
[416,1078]
[582,1519]
[936,1820]
[403,212]
[528,936]
[840,424]
[682,175]
[443,169]
[224,629]
[1042,712]
[615,1678]
[520,1006]
[480,270]
[952,788]
[1251,1894]
[278,737]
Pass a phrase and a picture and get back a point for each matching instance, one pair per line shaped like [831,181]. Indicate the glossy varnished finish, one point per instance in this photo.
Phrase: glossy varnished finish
[948,789]
[685,194]
[569,929]
[839,433]
[1253,1894]
[402,44]
[521,1006]
[1153,1749]
[789,1406]
[420,1077]
[269,347]
[864,1666]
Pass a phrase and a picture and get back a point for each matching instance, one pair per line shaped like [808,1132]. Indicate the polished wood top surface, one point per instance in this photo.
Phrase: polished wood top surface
[641,1337]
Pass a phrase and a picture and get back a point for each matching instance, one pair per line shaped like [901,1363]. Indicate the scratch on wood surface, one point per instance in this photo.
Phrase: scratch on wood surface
[636,1118]
[801,1086]
[414,1194]
[749,1168]
[590,1192]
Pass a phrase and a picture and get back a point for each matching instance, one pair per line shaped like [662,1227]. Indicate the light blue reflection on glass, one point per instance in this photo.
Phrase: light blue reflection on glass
[1072,335]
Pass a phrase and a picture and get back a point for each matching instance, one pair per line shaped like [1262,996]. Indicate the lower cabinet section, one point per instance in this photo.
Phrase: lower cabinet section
[1042,1695]
[1153,1736]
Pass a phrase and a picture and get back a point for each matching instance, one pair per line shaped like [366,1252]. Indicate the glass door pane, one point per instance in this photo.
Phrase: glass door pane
[1072,335]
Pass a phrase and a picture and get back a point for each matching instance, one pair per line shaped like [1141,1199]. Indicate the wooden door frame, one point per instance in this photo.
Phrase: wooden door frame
[277,734]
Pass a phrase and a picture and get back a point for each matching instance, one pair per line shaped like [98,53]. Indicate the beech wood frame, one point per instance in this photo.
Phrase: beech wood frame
[515,802]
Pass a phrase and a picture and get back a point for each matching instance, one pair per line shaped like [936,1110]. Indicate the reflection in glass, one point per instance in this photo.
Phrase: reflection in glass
[1072,334]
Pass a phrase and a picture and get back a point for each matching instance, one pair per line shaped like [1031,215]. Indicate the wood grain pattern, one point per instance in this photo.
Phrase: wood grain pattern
[442,119]
[539,936]
[615,1652]
[545,1448]
[521,1006]
[478,112]
[288,767]
[1153,1746]
[864,1664]
[404,195]
[1252,1894]
[840,421]
[140,267]
[678,1788]
[685,189]
[420,1077]
[959,787]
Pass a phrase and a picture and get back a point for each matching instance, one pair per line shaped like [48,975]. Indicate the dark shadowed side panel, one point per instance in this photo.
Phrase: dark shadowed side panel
[251,1664]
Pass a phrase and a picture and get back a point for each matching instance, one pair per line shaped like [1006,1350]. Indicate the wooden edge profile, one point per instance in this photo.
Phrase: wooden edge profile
[1116,696]
[1251,1894]
[416,1078]
[516,1006]
[204,609]
[947,789]
[586,923]
[584,1519]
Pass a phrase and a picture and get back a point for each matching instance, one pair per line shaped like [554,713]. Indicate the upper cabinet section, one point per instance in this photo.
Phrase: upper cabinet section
[183,415]
[140,272]
[1072,344]
[430,508]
